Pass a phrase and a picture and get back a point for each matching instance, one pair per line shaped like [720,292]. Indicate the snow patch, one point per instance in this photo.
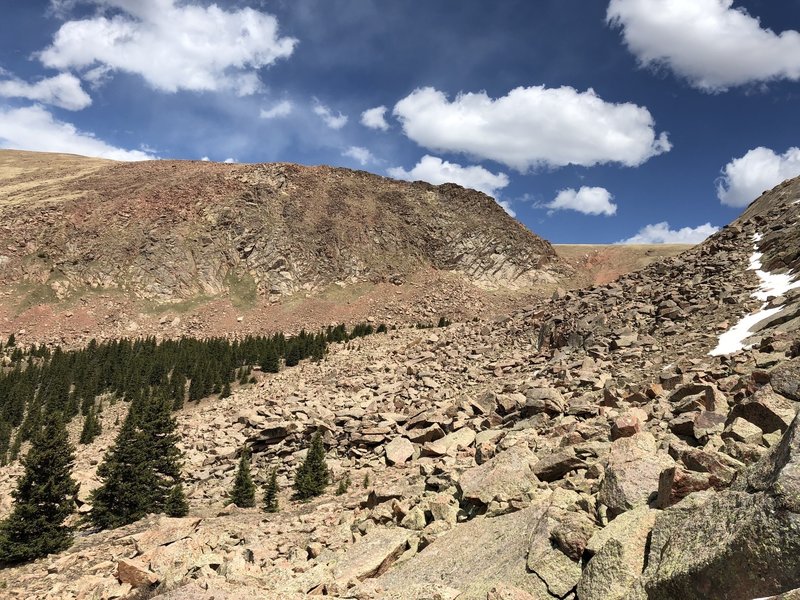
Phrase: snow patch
[771,285]
[732,340]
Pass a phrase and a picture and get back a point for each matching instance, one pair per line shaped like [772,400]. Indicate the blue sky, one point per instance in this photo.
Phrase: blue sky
[592,122]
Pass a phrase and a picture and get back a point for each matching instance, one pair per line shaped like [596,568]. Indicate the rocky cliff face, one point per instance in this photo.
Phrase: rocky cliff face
[589,447]
[170,230]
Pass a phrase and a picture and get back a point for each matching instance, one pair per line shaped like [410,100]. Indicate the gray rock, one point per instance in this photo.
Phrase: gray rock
[743,431]
[693,396]
[737,544]
[508,476]
[473,557]
[785,379]
[414,519]
[632,475]
[767,410]
[398,451]
[451,443]
[557,570]
[707,423]
[373,554]
[779,471]
[700,553]
[547,400]
[572,534]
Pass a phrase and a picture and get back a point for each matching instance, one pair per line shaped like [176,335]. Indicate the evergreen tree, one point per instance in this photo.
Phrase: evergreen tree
[226,391]
[176,505]
[178,387]
[15,447]
[271,492]
[127,492]
[91,427]
[12,341]
[196,388]
[271,363]
[44,498]
[312,476]
[344,485]
[159,437]
[243,494]
[294,354]
[5,440]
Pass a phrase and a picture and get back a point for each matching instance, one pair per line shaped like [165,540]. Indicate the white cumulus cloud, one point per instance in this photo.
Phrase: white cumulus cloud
[281,109]
[532,127]
[360,154]
[709,42]
[375,118]
[437,171]
[660,233]
[587,200]
[62,90]
[761,169]
[326,114]
[34,128]
[172,45]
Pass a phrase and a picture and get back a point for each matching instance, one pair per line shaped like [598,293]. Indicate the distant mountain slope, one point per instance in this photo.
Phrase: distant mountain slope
[167,230]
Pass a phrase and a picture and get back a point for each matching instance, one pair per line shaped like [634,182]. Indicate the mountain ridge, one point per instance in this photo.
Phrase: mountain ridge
[236,248]
[586,446]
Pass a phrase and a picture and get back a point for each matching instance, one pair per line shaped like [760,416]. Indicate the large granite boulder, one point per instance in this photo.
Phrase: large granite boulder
[634,467]
[618,553]
[473,558]
[506,477]
[785,379]
[739,544]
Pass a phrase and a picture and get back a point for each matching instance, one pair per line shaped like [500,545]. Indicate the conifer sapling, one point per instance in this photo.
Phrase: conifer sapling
[312,477]
[243,494]
[271,492]
[91,427]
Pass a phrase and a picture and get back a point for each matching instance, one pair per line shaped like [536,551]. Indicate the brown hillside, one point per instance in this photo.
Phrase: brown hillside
[86,237]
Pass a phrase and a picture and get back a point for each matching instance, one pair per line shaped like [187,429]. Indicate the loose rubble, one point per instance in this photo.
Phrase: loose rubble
[586,448]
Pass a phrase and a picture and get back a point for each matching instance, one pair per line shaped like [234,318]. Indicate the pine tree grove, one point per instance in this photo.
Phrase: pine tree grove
[91,427]
[44,380]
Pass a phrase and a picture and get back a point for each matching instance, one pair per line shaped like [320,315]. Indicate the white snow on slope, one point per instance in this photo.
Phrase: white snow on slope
[772,285]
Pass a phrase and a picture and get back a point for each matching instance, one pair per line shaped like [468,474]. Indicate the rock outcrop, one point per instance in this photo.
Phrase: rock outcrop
[174,230]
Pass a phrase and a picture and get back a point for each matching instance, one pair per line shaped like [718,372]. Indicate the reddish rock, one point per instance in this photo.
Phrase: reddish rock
[135,573]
